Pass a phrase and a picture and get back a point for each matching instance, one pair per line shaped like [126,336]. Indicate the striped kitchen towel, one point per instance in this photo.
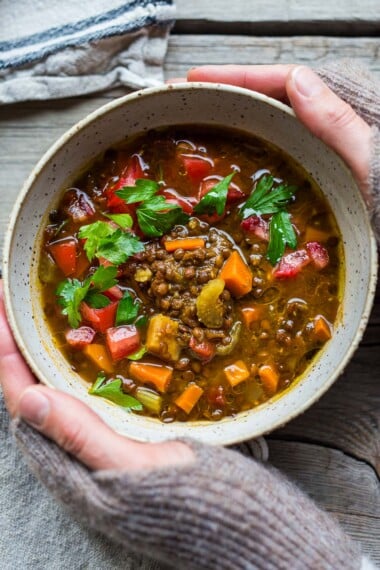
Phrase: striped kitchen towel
[60,48]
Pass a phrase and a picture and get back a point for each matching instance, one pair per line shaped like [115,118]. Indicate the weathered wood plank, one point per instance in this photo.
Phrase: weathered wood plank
[345,487]
[278,17]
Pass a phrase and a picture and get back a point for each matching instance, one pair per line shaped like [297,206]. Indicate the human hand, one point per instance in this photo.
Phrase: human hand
[70,423]
[316,106]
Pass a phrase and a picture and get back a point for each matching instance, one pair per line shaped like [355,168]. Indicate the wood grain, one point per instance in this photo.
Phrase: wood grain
[278,17]
[332,450]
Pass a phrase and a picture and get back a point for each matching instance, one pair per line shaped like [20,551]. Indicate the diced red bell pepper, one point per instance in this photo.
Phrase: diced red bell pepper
[114,293]
[99,319]
[257,226]
[197,167]
[64,253]
[79,338]
[291,264]
[131,173]
[204,350]
[319,255]
[187,203]
[234,193]
[122,341]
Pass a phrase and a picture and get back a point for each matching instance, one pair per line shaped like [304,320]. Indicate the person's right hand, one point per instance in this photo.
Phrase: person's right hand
[317,107]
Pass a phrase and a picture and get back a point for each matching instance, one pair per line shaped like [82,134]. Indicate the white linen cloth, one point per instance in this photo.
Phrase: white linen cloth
[60,48]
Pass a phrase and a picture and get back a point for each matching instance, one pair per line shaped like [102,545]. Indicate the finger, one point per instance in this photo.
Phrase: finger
[332,120]
[80,432]
[176,80]
[15,375]
[267,79]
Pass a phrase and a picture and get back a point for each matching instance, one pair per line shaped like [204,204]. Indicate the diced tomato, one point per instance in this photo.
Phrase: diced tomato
[99,319]
[197,167]
[215,395]
[319,255]
[78,205]
[114,293]
[79,338]
[187,203]
[82,264]
[64,253]
[257,226]
[291,264]
[234,194]
[122,341]
[131,173]
[204,350]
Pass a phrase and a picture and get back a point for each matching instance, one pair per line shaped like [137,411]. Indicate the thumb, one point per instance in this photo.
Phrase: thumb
[332,120]
[80,432]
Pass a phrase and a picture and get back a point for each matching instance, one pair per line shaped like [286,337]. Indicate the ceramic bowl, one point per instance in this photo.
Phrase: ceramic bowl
[173,105]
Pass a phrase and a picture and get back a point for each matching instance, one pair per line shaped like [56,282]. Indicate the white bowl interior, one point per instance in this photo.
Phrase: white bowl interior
[174,105]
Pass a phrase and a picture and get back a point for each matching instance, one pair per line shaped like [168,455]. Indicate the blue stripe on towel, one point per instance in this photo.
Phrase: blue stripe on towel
[58,32]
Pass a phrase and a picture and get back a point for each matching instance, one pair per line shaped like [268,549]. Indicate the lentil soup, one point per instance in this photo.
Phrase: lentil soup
[191,273]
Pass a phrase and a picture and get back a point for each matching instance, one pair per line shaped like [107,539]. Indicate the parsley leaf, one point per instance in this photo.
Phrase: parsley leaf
[125,221]
[104,278]
[94,234]
[102,240]
[119,246]
[71,292]
[265,199]
[112,391]
[215,200]
[144,189]
[127,310]
[281,233]
[157,216]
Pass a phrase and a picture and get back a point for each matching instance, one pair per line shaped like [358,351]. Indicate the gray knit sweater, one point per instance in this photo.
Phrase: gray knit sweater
[223,511]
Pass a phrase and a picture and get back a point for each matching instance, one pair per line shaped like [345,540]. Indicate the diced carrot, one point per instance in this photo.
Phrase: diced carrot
[236,275]
[322,328]
[236,372]
[155,374]
[314,234]
[185,243]
[189,397]
[64,253]
[269,378]
[122,341]
[252,314]
[99,355]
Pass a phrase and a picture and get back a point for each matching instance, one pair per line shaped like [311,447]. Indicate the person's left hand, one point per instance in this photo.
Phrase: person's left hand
[70,423]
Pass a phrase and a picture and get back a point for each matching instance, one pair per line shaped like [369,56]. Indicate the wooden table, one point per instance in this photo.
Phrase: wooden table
[333,450]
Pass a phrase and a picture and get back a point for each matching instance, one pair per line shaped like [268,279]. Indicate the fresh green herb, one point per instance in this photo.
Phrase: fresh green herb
[127,310]
[281,233]
[265,199]
[102,240]
[155,215]
[141,321]
[119,246]
[112,391]
[215,200]
[97,300]
[71,292]
[138,354]
[125,221]
[144,190]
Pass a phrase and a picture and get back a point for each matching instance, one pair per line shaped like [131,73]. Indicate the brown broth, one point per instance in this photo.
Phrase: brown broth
[283,336]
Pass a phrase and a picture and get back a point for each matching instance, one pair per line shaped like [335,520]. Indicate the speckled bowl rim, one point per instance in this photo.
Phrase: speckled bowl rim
[225,439]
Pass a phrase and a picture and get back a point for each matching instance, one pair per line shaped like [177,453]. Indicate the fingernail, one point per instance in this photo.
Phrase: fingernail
[34,407]
[307,82]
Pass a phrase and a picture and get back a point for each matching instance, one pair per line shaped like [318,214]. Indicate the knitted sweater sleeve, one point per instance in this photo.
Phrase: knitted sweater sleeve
[223,510]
